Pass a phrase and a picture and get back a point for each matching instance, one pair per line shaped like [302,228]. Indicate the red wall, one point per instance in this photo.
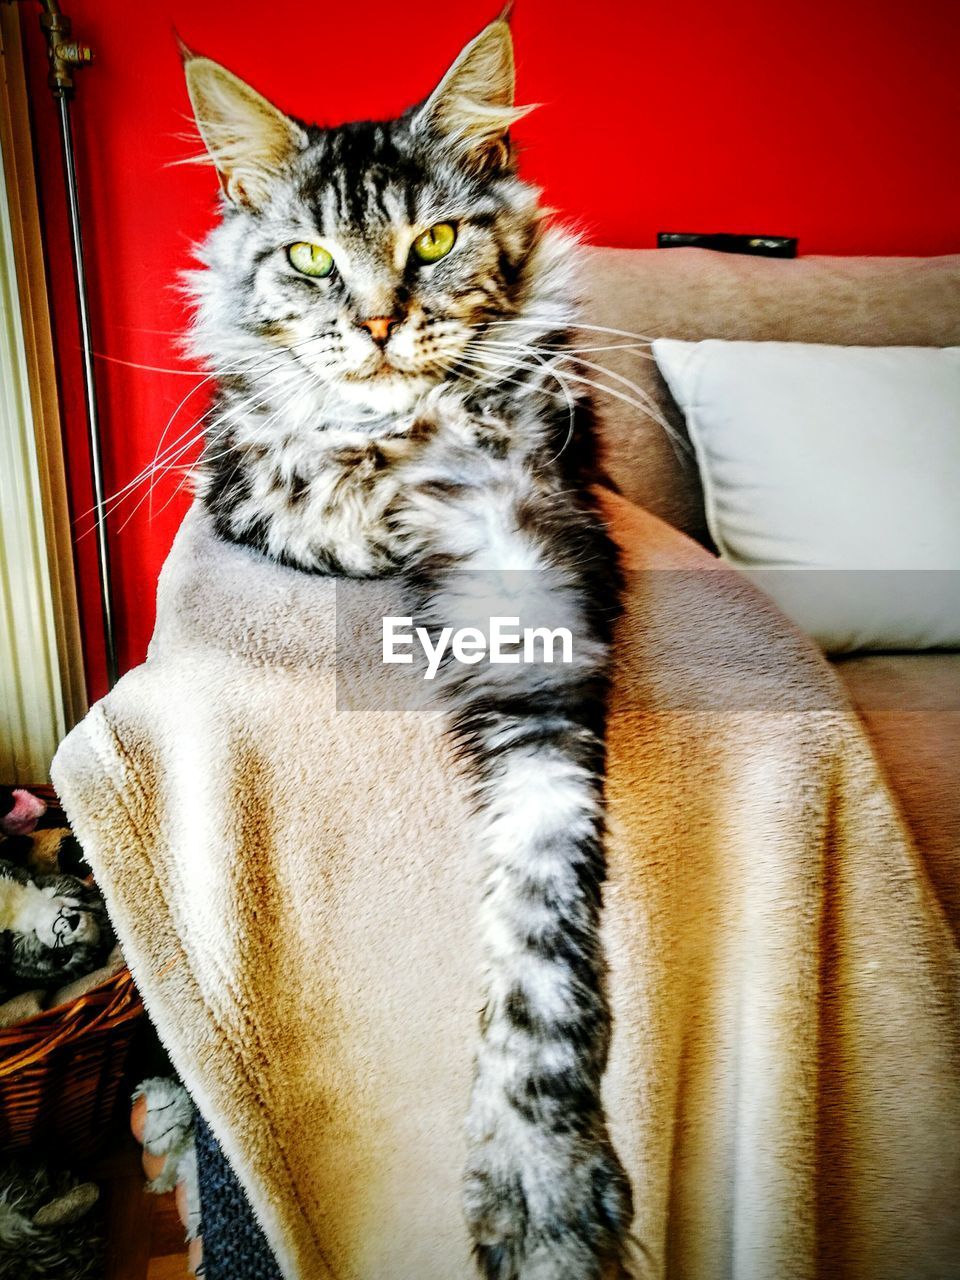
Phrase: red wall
[833,120]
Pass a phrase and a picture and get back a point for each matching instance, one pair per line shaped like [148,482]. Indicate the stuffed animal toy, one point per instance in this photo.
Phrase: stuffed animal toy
[49,852]
[162,1122]
[47,1228]
[52,928]
[20,811]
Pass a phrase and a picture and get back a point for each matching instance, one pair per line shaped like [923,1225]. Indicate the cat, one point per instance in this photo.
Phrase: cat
[382,305]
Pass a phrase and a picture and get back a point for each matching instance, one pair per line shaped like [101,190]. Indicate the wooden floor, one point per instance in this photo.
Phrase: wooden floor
[168,1253]
[144,1233]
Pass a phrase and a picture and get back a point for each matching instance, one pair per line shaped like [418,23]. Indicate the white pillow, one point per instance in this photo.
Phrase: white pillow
[832,476]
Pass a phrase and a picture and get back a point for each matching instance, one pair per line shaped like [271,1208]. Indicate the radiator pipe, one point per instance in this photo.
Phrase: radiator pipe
[66,55]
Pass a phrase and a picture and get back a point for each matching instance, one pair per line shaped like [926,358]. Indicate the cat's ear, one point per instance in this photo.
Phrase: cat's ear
[248,139]
[471,109]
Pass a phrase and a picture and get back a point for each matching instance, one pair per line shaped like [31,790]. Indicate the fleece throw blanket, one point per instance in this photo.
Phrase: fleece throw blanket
[287,859]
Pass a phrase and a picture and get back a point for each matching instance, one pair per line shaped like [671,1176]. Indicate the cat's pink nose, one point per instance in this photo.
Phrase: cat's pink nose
[379,327]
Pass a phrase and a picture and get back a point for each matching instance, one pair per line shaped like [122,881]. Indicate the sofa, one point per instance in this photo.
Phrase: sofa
[909,702]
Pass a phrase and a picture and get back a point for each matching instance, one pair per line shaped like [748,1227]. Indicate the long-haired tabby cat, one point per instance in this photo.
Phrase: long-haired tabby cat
[381,304]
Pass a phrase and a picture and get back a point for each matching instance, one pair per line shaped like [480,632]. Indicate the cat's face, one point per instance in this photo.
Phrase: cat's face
[374,254]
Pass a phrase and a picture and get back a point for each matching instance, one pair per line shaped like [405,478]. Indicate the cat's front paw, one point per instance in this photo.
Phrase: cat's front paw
[548,1207]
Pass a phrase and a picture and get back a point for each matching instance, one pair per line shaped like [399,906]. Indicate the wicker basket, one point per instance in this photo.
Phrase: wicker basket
[60,1070]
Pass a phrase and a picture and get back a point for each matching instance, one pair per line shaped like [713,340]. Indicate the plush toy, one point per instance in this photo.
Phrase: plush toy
[162,1122]
[47,1228]
[52,928]
[24,1005]
[20,811]
[49,852]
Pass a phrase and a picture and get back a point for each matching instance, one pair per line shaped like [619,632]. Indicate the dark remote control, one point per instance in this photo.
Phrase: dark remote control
[762,246]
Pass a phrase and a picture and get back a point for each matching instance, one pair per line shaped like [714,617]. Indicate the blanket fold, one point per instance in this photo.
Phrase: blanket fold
[293,886]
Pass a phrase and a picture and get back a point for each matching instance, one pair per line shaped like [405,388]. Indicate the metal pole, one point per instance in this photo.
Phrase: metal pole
[90,389]
[65,56]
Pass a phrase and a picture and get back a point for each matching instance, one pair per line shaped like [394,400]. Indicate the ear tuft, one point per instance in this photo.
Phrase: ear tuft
[472,107]
[184,50]
[248,138]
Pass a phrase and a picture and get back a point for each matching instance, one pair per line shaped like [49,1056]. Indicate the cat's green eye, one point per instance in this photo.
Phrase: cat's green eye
[435,243]
[310,259]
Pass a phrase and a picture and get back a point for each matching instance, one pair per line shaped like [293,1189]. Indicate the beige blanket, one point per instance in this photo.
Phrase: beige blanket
[293,887]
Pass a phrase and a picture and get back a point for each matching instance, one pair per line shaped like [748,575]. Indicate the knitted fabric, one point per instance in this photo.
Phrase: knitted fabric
[234,1247]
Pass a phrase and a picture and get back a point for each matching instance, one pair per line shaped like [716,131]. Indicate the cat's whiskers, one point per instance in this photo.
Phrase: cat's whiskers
[643,405]
[490,358]
[570,349]
[639,400]
[496,375]
[153,477]
[115,500]
[148,471]
[290,378]
[148,368]
[210,439]
[646,403]
[208,458]
[160,464]
[163,434]
[549,368]
[551,321]
[162,461]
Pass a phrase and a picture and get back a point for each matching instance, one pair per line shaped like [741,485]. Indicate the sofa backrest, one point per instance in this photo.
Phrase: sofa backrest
[695,293]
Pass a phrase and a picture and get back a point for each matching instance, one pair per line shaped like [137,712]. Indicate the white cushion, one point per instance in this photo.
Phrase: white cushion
[832,476]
